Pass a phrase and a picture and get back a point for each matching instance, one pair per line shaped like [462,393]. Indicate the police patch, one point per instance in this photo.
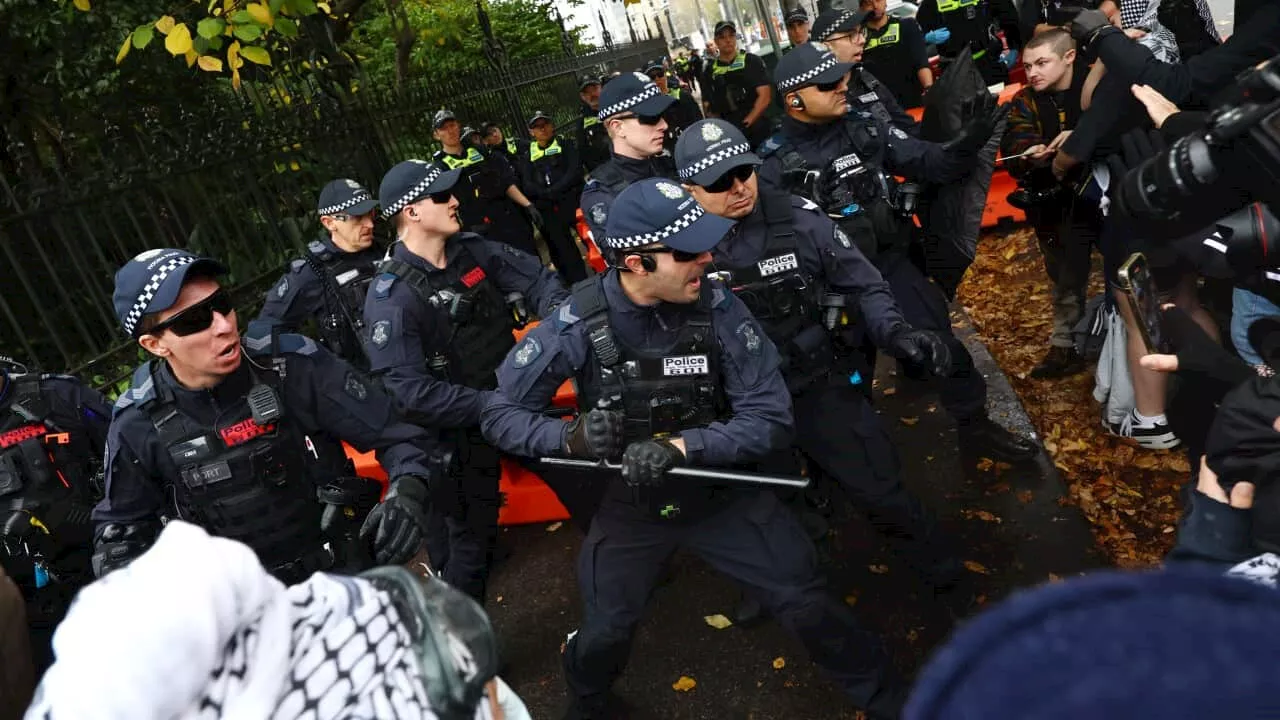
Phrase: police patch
[381,333]
[528,351]
[750,337]
[711,132]
[897,133]
[355,387]
[843,239]
[283,287]
[599,213]
[670,191]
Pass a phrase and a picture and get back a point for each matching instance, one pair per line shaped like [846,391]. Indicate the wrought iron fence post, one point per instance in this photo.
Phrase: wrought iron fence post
[630,28]
[605,37]
[496,53]
[566,42]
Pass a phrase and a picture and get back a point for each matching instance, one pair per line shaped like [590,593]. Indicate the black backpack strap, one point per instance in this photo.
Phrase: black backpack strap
[778,218]
[610,177]
[592,307]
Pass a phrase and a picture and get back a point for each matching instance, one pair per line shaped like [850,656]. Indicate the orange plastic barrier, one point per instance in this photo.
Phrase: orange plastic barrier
[594,258]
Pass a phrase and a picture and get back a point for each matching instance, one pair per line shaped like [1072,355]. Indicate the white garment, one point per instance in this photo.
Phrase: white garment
[1114,386]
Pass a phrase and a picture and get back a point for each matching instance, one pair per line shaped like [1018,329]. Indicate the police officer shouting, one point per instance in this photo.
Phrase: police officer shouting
[240,436]
[739,88]
[672,370]
[794,270]
[553,180]
[845,163]
[440,314]
[845,35]
[632,108]
[971,27]
[593,140]
[896,53]
[328,284]
[486,189]
[683,113]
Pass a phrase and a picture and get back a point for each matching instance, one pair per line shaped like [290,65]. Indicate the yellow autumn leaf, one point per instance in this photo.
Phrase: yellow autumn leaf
[976,567]
[255,54]
[879,569]
[909,421]
[178,42]
[294,166]
[165,24]
[779,663]
[124,49]
[324,8]
[718,622]
[260,13]
[191,57]
[850,600]
[210,63]
[684,684]
[81,5]
[235,79]
[234,62]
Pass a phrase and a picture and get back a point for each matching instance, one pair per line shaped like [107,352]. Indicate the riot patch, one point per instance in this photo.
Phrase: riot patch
[599,213]
[527,352]
[283,287]
[750,337]
[381,333]
[843,239]
[686,365]
[355,387]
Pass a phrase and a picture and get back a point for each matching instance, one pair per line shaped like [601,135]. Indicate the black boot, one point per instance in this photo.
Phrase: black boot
[984,437]
[1059,362]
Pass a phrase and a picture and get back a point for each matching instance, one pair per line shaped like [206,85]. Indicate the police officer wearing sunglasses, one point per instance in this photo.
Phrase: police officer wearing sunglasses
[683,112]
[846,164]
[810,287]
[326,286]
[632,108]
[844,33]
[241,435]
[672,370]
[440,315]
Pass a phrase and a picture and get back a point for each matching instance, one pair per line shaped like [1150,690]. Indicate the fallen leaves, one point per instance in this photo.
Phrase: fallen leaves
[908,421]
[879,569]
[554,526]
[717,621]
[779,663]
[684,684]
[982,515]
[851,599]
[976,567]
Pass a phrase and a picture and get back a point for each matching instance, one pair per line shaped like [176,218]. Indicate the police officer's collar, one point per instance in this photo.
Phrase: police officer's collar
[670,314]
[231,388]
[798,129]
[401,252]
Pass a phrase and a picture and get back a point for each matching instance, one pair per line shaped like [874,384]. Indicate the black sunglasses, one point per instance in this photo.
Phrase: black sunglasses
[198,317]
[827,87]
[680,256]
[724,183]
[442,197]
[644,119]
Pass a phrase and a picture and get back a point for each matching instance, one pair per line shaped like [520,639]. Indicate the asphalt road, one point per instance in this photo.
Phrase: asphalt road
[1009,523]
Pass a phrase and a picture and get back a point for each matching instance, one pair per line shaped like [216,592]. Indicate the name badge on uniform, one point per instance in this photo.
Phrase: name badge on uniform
[346,277]
[685,365]
[775,265]
[868,97]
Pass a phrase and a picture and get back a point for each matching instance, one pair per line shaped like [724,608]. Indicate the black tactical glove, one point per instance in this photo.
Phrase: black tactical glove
[1086,26]
[647,462]
[924,348]
[596,435]
[844,184]
[396,525]
[117,544]
[984,114]
[1199,356]
[535,217]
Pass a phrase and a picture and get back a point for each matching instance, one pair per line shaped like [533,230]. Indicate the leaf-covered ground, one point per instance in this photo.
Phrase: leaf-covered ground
[1130,495]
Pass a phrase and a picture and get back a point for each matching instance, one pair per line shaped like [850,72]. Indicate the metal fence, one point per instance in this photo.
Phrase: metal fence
[233,177]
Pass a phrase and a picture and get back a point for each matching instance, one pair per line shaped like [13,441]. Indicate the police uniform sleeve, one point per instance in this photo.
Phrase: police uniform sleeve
[528,378]
[89,407]
[922,160]
[759,401]
[503,168]
[571,166]
[851,273]
[913,39]
[294,299]
[529,183]
[755,73]
[897,116]
[517,271]
[397,356]
[596,201]
[135,480]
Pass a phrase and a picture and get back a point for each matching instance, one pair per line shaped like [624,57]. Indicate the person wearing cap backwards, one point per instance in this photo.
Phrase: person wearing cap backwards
[794,269]
[593,139]
[846,165]
[632,109]
[328,284]
[738,90]
[797,27]
[653,331]
[896,53]
[970,26]
[440,315]
[487,188]
[843,33]
[553,180]
[242,435]
[682,113]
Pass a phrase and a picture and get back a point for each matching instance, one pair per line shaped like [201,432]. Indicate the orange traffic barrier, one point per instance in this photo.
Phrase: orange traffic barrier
[594,258]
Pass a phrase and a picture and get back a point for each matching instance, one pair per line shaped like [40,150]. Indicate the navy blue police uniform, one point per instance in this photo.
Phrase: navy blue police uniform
[436,335]
[858,155]
[682,113]
[324,290]
[866,92]
[703,372]
[593,140]
[258,457]
[553,182]
[797,273]
[630,94]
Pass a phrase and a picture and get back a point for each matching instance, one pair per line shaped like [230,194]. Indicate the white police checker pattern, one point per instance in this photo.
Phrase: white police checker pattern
[149,290]
[828,61]
[356,199]
[414,192]
[713,158]
[650,90]
[634,241]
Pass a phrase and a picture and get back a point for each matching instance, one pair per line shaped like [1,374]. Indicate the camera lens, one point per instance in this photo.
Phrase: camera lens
[1167,181]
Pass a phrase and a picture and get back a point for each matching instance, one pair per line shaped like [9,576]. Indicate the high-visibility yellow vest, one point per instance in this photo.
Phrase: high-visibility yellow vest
[537,153]
[738,63]
[474,157]
[890,37]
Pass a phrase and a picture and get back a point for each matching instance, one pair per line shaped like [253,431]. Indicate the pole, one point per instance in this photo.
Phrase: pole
[767,18]
[733,476]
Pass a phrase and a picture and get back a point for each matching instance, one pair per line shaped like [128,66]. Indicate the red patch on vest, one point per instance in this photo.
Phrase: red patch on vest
[9,438]
[243,431]
[473,277]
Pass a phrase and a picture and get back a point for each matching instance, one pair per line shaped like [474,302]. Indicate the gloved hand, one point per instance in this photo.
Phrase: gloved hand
[985,113]
[647,462]
[844,184]
[596,435]
[396,525]
[117,544]
[1009,58]
[535,217]
[924,348]
[937,36]
[1086,25]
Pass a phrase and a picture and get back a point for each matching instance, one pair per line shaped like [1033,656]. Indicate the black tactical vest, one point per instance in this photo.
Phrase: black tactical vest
[480,320]
[45,468]
[345,284]
[659,394]
[244,480]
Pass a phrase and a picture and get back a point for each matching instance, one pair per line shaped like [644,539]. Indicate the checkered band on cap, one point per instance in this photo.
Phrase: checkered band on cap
[650,91]
[634,241]
[713,158]
[149,290]
[360,197]
[841,19]
[828,61]
[414,192]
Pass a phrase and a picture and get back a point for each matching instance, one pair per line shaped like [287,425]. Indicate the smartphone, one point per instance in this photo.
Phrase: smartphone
[1140,292]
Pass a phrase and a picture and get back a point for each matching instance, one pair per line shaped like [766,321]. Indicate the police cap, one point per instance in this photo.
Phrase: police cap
[442,117]
[724,25]
[151,281]
[538,116]
[587,81]
[658,211]
[635,93]
[834,22]
[799,15]
[345,196]
[412,180]
[808,64]
[709,148]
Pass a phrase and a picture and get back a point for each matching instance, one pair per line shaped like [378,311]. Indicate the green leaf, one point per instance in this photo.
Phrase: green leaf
[248,33]
[286,27]
[241,17]
[209,28]
[255,54]
[142,36]
[304,7]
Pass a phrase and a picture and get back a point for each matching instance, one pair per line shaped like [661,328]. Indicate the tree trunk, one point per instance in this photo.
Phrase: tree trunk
[405,38]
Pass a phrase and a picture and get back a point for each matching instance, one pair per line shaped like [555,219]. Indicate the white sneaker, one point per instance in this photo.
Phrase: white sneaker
[1148,433]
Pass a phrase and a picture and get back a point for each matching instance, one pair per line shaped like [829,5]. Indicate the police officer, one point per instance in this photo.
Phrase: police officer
[843,32]
[796,270]
[797,27]
[971,27]
[631,108]
[672,370]
[328,284]
[896,53]
[682,113]
[241,436]
[553,180]
[739,88]
[486,188]
[511,148]
[845,161]
[695,69]
[593,140]
[473,138]
[440,315]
